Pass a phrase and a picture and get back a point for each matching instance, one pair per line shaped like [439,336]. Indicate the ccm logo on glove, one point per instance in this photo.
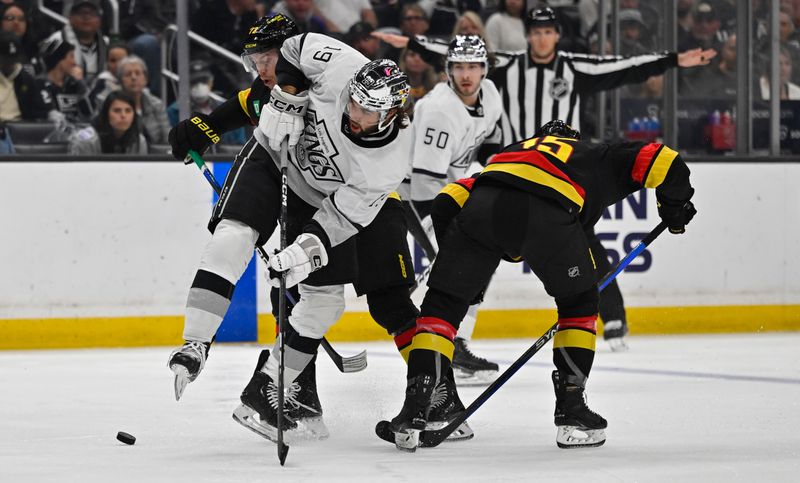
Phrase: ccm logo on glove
[207,130]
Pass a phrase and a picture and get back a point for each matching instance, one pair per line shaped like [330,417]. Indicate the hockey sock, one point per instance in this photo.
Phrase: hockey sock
[431,350]
[209,299]
[574,344]
[404,337]
[298,352]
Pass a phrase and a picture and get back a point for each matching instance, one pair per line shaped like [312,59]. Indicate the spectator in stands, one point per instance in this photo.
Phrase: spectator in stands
[359,37]
[789,90]
[716,80]
[413,21]
[116,130]
[505,29]
[107,80]
[443,15]
[302,12]
[141,23]
[64,82]
[225,23]
[634,35]
[13,18]
[421,76]
[341,15]
[201,84]
[684,21]
[705,32]
[470,23]
[83,31]
[19,100]
[132,74]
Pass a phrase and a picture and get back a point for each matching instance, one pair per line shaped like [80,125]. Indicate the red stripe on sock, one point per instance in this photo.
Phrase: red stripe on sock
[436,326]
[585,323]
[403,339]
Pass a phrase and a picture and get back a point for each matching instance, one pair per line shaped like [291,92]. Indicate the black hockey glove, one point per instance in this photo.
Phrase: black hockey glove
[676,214]
[195,133]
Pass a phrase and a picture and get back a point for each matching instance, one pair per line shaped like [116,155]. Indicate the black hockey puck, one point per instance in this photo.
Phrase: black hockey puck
[126,438]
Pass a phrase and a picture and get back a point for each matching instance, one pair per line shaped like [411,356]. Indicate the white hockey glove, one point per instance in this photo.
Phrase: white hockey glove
[307,254]
[283,116]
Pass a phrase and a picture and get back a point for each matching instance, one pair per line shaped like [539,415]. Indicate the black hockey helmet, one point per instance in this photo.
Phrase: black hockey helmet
[542,17]
[558,128]
[269,32]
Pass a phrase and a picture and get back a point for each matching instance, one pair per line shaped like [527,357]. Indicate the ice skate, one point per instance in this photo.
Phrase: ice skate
[470,369]
[412,419]
[614,332]
[446,406]
[578,426]
[186,362]
[258,410]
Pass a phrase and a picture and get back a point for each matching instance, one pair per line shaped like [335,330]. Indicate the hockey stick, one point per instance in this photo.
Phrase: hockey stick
[434,438]
[354,363]
[283,449]
[417,231]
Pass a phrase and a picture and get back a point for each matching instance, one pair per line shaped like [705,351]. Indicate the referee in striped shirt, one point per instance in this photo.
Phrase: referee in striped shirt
[544,84]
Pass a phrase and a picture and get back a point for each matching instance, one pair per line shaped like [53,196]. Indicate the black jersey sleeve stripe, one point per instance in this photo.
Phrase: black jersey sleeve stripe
[429,173]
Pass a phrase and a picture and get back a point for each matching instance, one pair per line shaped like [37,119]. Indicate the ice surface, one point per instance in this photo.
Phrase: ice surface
[679,408]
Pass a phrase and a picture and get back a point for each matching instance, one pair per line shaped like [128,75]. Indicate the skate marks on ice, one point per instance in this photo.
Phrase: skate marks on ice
[671,418]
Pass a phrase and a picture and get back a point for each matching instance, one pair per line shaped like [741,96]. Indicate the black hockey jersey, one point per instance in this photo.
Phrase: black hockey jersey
[253,99]
[584,177]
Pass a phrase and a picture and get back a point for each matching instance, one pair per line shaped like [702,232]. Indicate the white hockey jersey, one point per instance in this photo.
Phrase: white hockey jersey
[347,178]
[447,135]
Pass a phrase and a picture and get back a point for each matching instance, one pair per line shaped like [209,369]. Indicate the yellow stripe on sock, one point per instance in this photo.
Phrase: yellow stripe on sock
[406,351]
[574,338]
[433,342]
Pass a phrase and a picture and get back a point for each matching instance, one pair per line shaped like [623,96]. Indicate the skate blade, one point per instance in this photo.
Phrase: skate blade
[462,433]
[407,440]
[618,344]
[182,379]
[474,378]
[251,420]
[569,437]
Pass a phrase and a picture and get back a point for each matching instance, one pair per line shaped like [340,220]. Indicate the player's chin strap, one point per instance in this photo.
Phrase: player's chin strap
[433,438]
[354,363]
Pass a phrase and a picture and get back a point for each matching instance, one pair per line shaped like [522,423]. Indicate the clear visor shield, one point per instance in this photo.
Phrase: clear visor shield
[362,112]
[259,61]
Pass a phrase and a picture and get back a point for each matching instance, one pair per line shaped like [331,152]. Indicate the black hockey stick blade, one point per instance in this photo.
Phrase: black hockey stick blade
[433,438]
[354,363]
[283,451]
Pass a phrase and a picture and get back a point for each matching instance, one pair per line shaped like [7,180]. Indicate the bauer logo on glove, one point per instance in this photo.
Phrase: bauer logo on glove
[306,255]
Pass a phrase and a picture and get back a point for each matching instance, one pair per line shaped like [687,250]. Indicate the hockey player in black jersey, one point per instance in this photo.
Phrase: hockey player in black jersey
[543,84]
[532,202]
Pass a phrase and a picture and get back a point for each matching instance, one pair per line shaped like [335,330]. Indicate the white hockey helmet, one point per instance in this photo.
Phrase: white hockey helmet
[466,48]
[379,86]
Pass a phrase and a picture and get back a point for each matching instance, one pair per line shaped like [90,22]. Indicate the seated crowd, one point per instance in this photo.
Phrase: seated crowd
[101,92]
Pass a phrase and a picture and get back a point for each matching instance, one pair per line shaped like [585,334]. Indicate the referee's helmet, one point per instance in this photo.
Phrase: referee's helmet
[542,17]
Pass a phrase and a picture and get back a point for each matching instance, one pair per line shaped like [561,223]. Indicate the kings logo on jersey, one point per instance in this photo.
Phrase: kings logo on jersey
[316,154]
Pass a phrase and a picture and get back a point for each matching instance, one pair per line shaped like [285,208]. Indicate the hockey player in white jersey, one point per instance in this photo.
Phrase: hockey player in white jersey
[344,118]
[455,125]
